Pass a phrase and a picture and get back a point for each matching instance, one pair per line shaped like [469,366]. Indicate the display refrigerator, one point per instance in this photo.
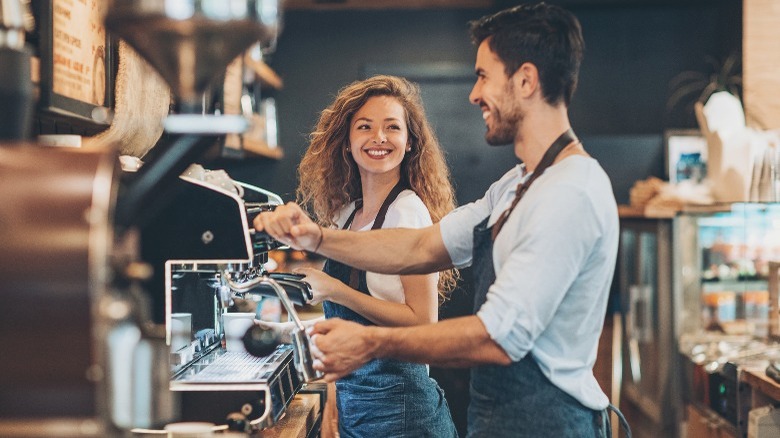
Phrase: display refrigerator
[693,287]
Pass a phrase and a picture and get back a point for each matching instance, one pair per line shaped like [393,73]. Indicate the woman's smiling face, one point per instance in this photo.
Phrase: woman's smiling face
[379,137]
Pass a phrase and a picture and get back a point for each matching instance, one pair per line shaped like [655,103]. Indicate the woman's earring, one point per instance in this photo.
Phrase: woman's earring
[409,149]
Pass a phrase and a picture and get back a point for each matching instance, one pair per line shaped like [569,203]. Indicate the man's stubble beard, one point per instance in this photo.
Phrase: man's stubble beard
[507,125]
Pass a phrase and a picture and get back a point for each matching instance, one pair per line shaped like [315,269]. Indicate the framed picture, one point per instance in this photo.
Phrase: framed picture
[76,61]
[686,156]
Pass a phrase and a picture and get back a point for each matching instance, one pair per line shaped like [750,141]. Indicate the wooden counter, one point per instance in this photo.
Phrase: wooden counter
[629,211]
[765,390]
[659,212]
[301,416]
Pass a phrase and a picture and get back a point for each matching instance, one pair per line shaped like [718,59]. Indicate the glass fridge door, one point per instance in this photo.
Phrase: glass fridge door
[644,275]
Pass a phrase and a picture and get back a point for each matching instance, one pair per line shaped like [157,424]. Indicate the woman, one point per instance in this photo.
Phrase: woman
[374,162]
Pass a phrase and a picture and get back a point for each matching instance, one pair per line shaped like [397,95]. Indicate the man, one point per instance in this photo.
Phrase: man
[542,241]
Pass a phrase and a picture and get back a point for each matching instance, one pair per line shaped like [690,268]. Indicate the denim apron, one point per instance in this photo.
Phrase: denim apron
[518,400]
[385,398]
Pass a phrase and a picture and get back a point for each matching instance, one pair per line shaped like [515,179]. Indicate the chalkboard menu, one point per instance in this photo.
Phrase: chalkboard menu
[76,61]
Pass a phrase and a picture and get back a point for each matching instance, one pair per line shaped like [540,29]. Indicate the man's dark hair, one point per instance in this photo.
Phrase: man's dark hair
[547,36]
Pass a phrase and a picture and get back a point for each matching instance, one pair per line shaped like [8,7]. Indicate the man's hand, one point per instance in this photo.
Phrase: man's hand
[340,347]
[290,225]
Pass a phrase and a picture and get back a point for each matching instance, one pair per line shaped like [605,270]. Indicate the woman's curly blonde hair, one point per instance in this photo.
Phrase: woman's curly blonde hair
[329,178]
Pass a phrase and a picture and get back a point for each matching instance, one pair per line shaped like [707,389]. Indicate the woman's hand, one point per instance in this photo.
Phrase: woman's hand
[281,330]
[323,286]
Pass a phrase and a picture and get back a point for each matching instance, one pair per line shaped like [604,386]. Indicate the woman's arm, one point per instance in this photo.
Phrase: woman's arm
[420,306]
[415,296]
[283,330]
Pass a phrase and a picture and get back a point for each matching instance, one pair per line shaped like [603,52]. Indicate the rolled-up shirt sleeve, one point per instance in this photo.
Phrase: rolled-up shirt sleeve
[457,228]
[546,245]
[457,231]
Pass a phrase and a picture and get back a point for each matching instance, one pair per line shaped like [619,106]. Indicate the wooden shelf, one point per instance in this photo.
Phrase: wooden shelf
[654,212]
[630,211]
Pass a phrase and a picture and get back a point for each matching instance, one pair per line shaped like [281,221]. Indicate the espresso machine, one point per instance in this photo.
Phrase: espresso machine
[115,286]
[209,256]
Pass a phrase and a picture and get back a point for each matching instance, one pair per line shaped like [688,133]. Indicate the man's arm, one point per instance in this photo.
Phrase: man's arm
[391,251]
[341,347]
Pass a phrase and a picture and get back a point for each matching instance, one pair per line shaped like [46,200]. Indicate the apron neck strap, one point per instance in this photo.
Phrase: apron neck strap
[547,160]
[354,275]
[399,187]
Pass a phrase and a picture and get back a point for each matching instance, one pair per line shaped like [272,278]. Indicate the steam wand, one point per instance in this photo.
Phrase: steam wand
[300,340]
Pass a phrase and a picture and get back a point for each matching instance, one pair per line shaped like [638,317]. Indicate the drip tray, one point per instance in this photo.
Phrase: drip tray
[235,367]
[222,382]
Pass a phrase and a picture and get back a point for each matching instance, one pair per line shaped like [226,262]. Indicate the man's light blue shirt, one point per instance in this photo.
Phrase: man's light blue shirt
[554,260]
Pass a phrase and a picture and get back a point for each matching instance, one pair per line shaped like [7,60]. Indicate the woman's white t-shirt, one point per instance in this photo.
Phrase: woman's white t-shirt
[407,211]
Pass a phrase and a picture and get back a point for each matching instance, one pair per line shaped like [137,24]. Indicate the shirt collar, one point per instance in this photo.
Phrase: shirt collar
[524,174]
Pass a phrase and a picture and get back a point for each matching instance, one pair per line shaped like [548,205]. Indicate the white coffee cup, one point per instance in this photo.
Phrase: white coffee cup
[189,430]
[236,325]
[181,330]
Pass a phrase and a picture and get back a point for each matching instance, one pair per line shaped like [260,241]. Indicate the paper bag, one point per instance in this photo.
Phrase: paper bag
[729,160]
